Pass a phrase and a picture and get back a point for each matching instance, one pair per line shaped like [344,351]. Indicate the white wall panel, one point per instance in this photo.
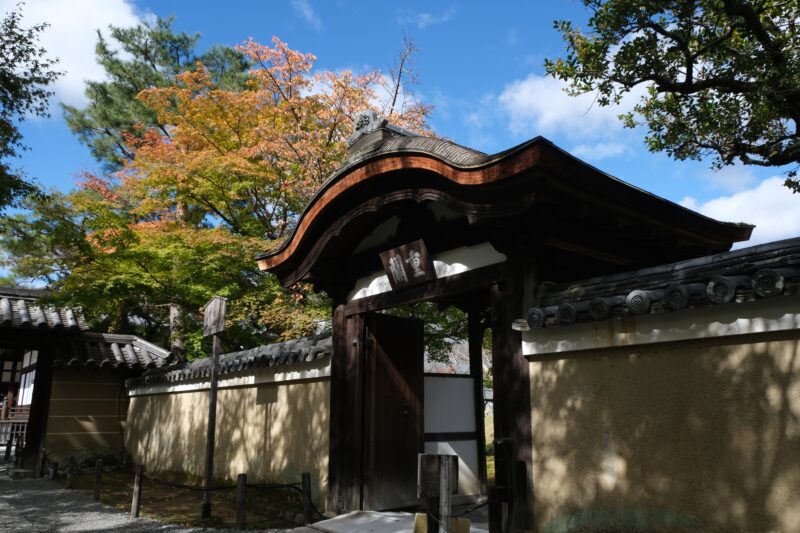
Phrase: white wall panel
[449,404]
[467,451]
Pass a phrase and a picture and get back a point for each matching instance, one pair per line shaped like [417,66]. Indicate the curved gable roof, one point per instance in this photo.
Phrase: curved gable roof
[532,168]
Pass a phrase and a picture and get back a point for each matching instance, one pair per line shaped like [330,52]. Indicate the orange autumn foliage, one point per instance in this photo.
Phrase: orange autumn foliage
[224,176]
[251,160]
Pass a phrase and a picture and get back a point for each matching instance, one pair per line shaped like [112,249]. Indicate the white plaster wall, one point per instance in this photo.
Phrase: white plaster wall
[447,263]
[449,404]
[449,407]
[771,314]
[467,452]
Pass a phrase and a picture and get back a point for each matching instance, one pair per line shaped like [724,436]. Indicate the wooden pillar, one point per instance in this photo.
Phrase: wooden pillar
[345,462]
[40,407]
[512,395]
[475,331]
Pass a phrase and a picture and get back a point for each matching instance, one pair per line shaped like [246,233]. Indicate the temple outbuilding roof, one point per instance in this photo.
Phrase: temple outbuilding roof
[19,308]
[109,350]
[32,324]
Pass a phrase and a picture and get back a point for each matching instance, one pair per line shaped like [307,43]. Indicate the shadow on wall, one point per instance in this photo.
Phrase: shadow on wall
[276,431]
[271,432]
[691,436]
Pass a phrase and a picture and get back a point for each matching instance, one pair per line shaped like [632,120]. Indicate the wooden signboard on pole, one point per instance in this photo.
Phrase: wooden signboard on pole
[213,324]
[214,316]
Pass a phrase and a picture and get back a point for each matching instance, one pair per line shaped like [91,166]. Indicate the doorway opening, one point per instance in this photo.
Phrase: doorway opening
[424,388]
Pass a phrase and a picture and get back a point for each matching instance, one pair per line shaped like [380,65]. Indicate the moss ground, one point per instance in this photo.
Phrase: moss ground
[274,508]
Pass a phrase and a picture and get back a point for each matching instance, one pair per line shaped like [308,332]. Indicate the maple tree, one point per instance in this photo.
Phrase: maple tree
[219,174]
[253,158]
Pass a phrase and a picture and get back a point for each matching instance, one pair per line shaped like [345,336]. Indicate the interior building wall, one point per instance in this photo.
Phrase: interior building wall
[692,435]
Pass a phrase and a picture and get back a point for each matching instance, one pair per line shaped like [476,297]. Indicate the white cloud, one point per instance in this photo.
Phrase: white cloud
[72,36]
[512,37]
[600,150]
[424,19]
[770,206]
[305,10]
[730,178]
[538,105]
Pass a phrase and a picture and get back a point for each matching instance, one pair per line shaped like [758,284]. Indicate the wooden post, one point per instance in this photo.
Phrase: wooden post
[504,486]
[52,470]
[346,412]
[241,498]
[306,478]
[213,323]
[43,463]
[70,468]
[475,331]
[512,406]
[18,453]
[445,503]
[496,513]
[136,501]
[212,426]
[40,405]
[9,445]
[437,481]
[98,479]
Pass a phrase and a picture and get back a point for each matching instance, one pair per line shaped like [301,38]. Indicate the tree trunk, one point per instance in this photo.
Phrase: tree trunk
[176,332]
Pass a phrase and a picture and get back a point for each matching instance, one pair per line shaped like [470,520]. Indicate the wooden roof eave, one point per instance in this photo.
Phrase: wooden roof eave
[574,178]
[636,203]
[380,163]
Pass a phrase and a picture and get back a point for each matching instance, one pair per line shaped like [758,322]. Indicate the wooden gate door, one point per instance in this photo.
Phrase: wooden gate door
[394,415]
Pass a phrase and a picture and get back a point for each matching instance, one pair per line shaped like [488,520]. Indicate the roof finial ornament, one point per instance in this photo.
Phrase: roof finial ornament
[365,122]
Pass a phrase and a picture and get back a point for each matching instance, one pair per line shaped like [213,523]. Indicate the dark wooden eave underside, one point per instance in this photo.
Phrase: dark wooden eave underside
[532,187]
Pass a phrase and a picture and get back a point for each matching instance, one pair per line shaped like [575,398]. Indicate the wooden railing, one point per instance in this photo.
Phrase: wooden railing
[15,424]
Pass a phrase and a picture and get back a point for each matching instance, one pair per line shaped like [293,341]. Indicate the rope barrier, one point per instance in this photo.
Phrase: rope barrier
[261,486]
[188,487]
[470,509]
[256,486]
[295,486]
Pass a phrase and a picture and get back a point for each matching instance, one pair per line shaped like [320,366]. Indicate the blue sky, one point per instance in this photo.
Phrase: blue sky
[480,65]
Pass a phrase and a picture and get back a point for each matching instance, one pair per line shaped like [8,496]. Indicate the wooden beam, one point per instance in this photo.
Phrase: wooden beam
[455,284]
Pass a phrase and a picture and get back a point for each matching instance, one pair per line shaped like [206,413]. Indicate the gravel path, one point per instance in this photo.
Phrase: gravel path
[33,505]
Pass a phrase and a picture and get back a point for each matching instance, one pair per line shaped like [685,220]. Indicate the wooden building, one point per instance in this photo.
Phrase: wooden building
[63,385]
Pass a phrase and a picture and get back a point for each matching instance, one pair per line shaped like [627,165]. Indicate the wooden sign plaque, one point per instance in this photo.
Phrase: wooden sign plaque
[214,316]
[408,265]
